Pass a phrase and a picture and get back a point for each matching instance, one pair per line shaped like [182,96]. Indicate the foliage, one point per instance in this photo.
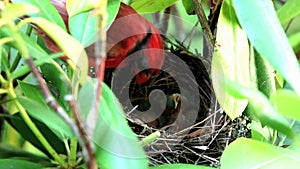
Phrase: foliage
[251,54]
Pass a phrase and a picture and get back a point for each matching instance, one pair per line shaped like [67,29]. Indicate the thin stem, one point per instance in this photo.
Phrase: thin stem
[73,150]
[2,80]
[34,129]
[50,100]
[149,139]
[208,39]
[18,57]
[16,62]
[88,145]
[77,127]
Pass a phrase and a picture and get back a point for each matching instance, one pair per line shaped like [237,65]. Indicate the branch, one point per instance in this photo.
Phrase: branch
[208,39]
[50,100]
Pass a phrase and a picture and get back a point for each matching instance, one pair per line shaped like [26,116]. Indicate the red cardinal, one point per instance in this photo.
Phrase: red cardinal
[130,32]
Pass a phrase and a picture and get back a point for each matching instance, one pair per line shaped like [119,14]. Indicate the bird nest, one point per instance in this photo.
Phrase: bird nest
[179,103]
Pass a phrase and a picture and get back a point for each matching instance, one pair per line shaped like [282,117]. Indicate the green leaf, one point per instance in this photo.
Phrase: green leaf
[260,133]
[47,116]
[18,164]
[264,31]
[294,40]
[142,6]
[288,11]
[4,63]
[255,154]
[86,91]
[14,34]
[22,70]
[230,60]
[112,10]
[70,46]
[33,92]
[261,106]
[265,76]
[189,6]
[279,81]
[47,11]
[21,127]
[116,144]
[13,11]
[8,151]
[83,26]
[75,7]
[56,82]
[180,166]
[35,50]
[287,103]
[37,108]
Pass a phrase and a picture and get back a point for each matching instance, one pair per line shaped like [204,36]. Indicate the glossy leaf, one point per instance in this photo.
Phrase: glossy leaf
[75,7]
[288,11]
[254,154]
[8,151]
[47,116]
[47,11]
[56,82]
[265,76]
[117,145]
[261,106]
[86,91]
[70,46]
[189,6]
[13,11]
[18,164]
[15,38]
[37,108]
[294,40]
[4,63]
[266,34]
[22,70]
[83,26]
[112,10]
[260,133]
[21,127]
[35,50]
[33,92]
[230,60]
[252,67]
[287,103]
[151,6]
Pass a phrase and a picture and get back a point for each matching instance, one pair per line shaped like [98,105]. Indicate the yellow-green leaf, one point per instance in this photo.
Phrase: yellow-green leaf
[13,11]
[70,46]
[231,59]
[151,6]
[288,11]
[75,7]
[259,20]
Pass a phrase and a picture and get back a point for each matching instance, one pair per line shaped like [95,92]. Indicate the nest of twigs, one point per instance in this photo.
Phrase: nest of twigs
[193,128]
